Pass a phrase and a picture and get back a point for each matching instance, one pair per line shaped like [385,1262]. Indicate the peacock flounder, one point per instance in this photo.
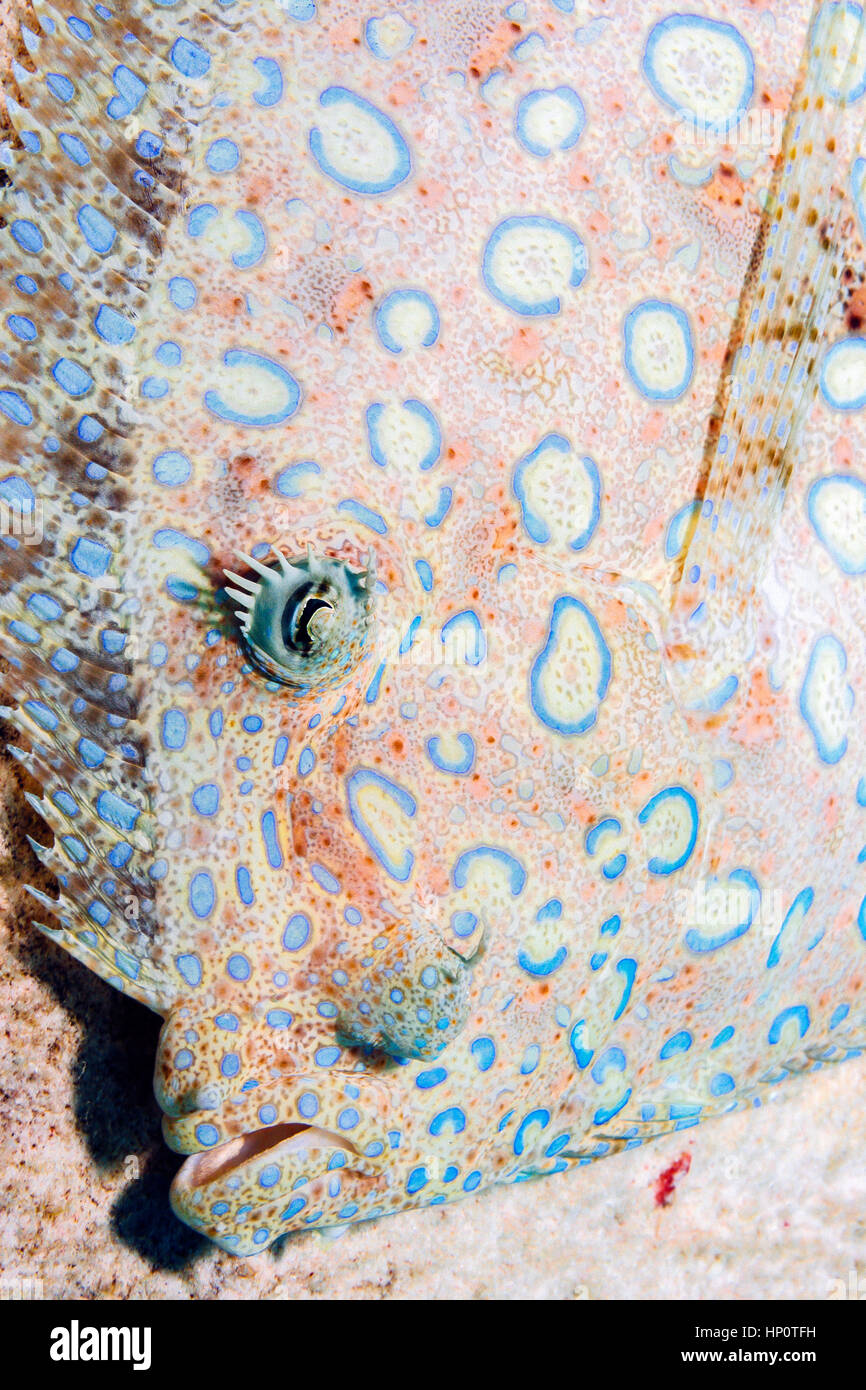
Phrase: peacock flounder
[456,742]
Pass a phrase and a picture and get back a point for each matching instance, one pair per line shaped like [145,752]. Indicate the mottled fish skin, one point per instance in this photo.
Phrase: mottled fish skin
[360,363]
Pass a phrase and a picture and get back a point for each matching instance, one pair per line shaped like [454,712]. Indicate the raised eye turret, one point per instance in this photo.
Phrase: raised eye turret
[305,622]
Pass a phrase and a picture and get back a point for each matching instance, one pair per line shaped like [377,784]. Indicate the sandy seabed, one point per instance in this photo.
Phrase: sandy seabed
[767,1203]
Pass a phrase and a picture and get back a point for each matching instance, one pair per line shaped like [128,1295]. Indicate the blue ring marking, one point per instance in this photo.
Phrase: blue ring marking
[230,1064]
[484,1053]
[240,357]
[271,90]
[828,753]
[670,393]
[452,1120]
[364,777]
[71,377]
[662,867]
[560,607]
[582,1054]
[168,539]
[258,242]
[458,766]
[627,967]
[373,416]
[363,515]
[527,308]
[843,481]
[207,1135]
[202,894]
[206,799]
[524,109]
[439,513]
[679,1042]
[23,327]
[391,300]
[292,482]
[676,21]
[540,1116]
[802,904]
[701,942]
[516,871]
[333,96]
[535,526]
[475,654]
[679,529]
[540,968]
[797,1011]
[857,402]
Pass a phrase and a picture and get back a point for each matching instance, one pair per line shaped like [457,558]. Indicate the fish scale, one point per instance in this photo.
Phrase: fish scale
[353,662]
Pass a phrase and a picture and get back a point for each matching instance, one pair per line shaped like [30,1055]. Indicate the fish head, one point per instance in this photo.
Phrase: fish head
[438,793]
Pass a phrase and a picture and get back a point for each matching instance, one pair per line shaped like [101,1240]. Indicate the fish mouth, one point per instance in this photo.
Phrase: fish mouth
[211,1165]
[247,1191]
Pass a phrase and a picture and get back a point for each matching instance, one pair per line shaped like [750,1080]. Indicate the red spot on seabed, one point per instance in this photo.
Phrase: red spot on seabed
[667,1180]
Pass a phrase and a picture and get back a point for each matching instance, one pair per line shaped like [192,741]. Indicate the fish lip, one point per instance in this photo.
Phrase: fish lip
[210,1166]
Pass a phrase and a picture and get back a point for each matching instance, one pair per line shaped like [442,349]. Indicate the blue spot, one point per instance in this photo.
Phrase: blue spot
[90,557]
[271,89]
[113,327]
[207,1135]
[171,468]
[296,933]
[293,480]
[182,292]
[189,967]
[459,766]
[269,835]
[115,811]
[206,799]
[98,232]
[74,380]
[452,1120]
[278,1018]
[174,729]
[189,58]
[541,968]
[238,966]
[697,24]
[426,1080]
[202,894]
[28,236]
[222,156]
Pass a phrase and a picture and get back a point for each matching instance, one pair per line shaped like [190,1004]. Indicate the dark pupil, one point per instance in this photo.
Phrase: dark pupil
[299,610]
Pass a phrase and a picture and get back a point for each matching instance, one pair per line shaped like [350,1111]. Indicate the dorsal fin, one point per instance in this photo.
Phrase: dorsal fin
[788,300]
[82,221]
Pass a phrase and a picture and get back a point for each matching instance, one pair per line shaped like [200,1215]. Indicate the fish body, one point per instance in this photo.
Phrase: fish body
[465,762]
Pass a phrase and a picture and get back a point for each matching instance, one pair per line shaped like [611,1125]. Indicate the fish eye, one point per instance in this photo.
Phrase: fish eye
[305,622]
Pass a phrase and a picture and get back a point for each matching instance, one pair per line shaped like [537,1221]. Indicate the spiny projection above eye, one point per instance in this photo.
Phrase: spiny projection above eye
[305,622]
